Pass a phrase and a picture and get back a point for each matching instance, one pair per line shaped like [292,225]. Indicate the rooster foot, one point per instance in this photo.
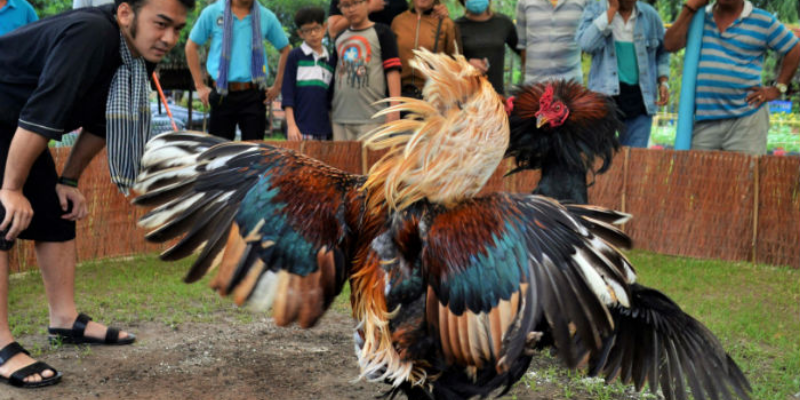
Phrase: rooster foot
[530,342]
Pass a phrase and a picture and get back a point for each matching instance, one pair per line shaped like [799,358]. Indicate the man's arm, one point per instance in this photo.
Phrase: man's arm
[26,147]
[336,24]
[675,37]
[193,61]
[393,82]
[275,90]
[83,152]
[759,95]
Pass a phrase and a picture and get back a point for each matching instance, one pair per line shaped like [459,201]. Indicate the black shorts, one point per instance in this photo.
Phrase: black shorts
[40,190]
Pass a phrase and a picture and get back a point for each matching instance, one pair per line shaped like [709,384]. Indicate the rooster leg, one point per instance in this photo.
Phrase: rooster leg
[530,342]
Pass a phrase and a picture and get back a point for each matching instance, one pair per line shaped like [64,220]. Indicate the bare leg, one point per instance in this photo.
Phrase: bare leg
[20,360]
[57,263]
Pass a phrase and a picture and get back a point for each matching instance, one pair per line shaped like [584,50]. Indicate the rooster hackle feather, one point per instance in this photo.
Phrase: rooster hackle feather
[452,293]
[561,128]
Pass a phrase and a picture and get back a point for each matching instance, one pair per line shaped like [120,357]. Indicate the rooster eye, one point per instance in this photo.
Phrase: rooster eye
[558,108]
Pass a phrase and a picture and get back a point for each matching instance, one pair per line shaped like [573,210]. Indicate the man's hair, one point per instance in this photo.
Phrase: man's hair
[309,15]
[137,4]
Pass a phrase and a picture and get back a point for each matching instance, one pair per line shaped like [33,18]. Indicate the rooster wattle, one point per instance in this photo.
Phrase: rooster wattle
[452,294]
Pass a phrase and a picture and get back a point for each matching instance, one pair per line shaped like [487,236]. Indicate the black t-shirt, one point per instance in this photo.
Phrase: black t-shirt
[391,9]
[488,39]
[55,73]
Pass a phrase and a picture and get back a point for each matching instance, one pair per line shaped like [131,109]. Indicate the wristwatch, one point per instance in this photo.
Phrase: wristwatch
[781,87]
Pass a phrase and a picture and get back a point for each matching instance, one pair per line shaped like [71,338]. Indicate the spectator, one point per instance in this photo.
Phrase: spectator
[307,88]
[419,28]
[45,91]
[380,11]
[730,112]
[15,13]
[546,30]
[90,3]
[484,35]
[367,65]
[626,41]
[237,65]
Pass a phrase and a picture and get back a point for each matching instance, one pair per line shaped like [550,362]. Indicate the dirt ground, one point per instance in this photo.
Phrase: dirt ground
[223,360]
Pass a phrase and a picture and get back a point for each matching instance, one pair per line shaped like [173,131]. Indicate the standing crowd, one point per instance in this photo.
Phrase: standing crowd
[89,68]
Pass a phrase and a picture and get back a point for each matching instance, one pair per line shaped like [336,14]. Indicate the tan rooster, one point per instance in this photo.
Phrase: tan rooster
[451,293]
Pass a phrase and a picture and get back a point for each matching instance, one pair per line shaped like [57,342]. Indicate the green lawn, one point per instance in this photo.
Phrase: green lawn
[755,310]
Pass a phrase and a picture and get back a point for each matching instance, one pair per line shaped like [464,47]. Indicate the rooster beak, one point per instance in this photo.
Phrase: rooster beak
[540,120]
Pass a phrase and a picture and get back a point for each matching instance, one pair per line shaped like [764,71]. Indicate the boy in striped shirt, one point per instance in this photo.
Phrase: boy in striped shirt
[730,112]
[307,80]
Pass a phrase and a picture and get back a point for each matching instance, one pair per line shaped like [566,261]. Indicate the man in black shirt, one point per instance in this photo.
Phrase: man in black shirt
[76,69]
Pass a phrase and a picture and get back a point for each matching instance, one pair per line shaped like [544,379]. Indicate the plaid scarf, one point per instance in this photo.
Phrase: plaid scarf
[127,119]
[258,71]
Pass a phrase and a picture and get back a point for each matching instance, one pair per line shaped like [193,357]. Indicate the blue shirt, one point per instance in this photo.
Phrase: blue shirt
[307,88]
[595,37]
[16,13]
[209,24]
[731,62]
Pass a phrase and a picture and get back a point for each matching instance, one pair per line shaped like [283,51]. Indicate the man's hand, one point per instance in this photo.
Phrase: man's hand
[272,93]
[375,5]
[479,64]
[696,4]
[18,212]
[68,194]
[441,11]
[293,134]
[663,95]
[393,116]
[203,92]
[759,95]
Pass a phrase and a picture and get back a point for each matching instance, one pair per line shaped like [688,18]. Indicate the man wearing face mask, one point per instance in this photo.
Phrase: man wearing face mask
[485,35]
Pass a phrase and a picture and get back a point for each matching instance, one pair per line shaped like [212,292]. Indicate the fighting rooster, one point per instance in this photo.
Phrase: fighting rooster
[561,127]
[452,293]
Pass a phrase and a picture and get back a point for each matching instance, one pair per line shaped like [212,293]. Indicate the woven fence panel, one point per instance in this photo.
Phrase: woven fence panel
[285,144]
[608,187]
[779,211]
[343,155]
[109,230]
[697,204]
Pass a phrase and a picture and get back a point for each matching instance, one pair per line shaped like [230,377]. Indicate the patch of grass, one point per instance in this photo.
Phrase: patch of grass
[122,292]
[752,309]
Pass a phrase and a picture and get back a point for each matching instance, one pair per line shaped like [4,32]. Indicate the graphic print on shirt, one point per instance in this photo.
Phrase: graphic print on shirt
[356,54]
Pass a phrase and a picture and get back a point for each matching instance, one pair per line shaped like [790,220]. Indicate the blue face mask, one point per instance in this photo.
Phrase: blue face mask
[476,6]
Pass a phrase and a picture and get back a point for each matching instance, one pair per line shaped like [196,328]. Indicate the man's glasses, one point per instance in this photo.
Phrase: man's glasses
[313,29]
[345,6]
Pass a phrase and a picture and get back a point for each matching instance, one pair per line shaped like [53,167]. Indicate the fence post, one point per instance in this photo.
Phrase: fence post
[756,195]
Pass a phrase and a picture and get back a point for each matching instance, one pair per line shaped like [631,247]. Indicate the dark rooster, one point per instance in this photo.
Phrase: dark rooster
[451,293]
[561,127]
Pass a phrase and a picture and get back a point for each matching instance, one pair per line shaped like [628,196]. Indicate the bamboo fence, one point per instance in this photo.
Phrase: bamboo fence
[718,205]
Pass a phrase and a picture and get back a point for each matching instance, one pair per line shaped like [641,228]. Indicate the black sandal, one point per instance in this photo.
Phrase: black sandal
[18,377]
[76,334]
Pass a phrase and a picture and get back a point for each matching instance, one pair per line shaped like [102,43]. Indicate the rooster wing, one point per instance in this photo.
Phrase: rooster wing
[494,270]
[274,221]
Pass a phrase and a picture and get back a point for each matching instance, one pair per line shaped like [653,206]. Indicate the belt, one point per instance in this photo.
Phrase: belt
[237,86]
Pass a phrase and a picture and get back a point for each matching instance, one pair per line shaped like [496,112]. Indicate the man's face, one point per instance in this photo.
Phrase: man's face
[154,29]
[627,4]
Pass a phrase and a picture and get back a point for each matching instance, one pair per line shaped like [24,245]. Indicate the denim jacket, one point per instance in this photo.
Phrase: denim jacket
[595,37]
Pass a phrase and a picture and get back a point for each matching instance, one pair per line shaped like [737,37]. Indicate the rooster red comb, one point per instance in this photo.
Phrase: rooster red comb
[547,97]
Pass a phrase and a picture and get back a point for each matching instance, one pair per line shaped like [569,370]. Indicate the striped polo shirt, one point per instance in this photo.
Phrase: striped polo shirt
[731,62]
[547,34]
[307,81]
